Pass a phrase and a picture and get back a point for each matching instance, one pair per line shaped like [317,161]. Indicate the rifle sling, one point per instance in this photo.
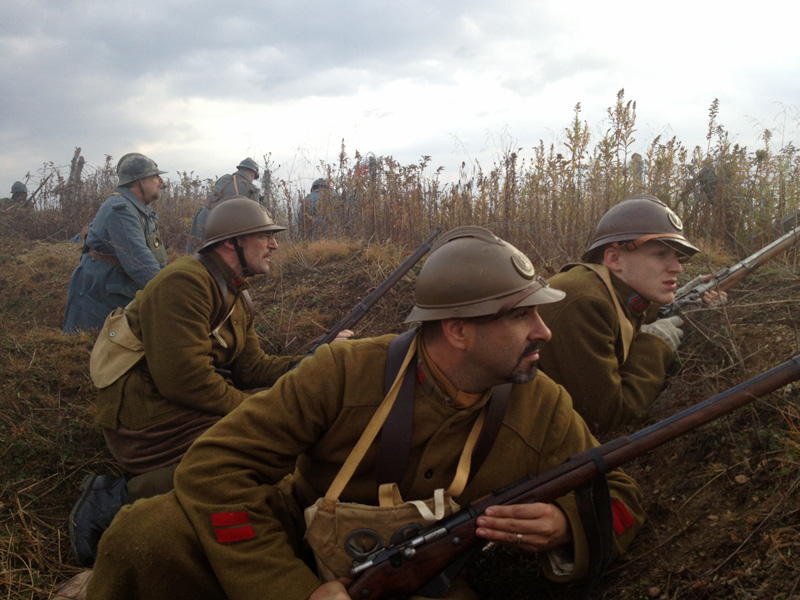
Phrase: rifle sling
[222,284]
[593,500]
[438,586]
[395,442]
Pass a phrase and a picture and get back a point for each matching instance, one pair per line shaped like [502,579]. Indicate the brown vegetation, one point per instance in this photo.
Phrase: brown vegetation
[722,502]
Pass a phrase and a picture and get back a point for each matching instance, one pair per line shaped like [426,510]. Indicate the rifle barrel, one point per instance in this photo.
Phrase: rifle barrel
[355,315]
[729,277]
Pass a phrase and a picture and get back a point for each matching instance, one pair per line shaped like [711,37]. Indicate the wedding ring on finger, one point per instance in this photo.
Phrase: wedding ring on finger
[519,538]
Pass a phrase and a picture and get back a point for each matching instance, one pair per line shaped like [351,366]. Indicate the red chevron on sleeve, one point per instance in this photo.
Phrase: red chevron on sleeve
[232,526]
[226,519]
[623,519]
[235,534]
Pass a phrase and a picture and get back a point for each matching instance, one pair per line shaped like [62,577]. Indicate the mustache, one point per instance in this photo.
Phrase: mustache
[531,348]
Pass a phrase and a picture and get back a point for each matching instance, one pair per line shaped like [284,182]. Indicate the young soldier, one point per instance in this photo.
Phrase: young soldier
[201,355]
[232,528]
[609,359]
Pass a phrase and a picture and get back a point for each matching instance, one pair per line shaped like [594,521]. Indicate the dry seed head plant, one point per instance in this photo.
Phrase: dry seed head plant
[722,501]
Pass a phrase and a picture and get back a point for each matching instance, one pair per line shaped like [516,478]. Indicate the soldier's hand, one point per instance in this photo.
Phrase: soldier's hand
[714,297]
[710,298]
[534,527]
[668,330]
[332,590]
[344,334]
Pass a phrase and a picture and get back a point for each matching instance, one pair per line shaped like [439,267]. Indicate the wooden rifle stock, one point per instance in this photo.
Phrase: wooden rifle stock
[406,567]
[730,277]
[355,315]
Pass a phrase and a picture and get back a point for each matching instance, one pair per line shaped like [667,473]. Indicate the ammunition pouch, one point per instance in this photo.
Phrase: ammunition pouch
[116,350]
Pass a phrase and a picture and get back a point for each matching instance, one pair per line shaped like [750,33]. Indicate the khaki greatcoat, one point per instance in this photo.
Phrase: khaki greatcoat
[173,317]
[585,353]
[220,533]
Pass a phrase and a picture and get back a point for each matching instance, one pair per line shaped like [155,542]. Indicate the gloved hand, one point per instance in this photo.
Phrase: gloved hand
[668,330]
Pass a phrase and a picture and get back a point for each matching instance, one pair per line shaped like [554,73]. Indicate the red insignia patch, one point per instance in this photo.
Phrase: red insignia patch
[235,534]
[232,526]
[623,519]
[226,519]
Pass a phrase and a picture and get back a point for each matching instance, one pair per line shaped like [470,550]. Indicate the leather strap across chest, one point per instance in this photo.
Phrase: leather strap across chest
[394,447]
[626,327]
[222,284]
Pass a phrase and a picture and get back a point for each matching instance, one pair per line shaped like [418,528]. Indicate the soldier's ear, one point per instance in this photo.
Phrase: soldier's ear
[612,258]
[458,332]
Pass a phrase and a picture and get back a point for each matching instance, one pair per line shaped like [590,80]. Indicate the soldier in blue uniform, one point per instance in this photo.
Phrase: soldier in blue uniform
[123,249]
[228,186]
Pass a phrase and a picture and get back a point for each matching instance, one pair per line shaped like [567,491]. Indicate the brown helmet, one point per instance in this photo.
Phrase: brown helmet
[473,273]
[637,220]
[237,216]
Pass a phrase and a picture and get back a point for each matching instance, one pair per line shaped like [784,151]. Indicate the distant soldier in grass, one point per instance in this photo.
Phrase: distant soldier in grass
[201,359]
[19,197]
[123,248]
[229,186]
[234,528]
[610,354]
[317,209]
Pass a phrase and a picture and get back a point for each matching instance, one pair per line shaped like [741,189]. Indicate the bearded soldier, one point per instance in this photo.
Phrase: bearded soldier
[611,360]
[233,526]
[123,248]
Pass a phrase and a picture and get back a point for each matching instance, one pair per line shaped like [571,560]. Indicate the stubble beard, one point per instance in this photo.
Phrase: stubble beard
[527,374]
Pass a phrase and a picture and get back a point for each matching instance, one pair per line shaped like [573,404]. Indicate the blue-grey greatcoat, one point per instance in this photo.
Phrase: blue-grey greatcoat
[124,228]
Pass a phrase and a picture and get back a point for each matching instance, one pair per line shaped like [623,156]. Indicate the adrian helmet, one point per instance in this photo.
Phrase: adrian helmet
[135,166]
[237,216]
[19,187]
[637,220]
[471,272]
[249,163]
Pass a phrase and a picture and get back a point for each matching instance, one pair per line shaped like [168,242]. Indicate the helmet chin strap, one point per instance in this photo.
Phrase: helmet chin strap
[245,269]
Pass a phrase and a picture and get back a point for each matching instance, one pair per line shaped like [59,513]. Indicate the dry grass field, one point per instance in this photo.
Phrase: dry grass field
[722,501]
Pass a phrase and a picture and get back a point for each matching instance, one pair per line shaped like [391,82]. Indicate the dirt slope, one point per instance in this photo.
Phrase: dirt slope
[722,501]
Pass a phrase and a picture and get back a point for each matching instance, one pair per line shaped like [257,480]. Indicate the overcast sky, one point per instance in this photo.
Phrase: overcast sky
[197,85]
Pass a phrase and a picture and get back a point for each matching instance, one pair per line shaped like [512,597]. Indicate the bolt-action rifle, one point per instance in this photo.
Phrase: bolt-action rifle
[355,315]
[728,277]
[405,567]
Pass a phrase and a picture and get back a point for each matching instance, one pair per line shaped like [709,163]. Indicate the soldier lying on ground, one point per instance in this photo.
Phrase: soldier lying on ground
[612,361]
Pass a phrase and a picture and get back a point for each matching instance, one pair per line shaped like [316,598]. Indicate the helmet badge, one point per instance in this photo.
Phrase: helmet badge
[675,219]
[523,265]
